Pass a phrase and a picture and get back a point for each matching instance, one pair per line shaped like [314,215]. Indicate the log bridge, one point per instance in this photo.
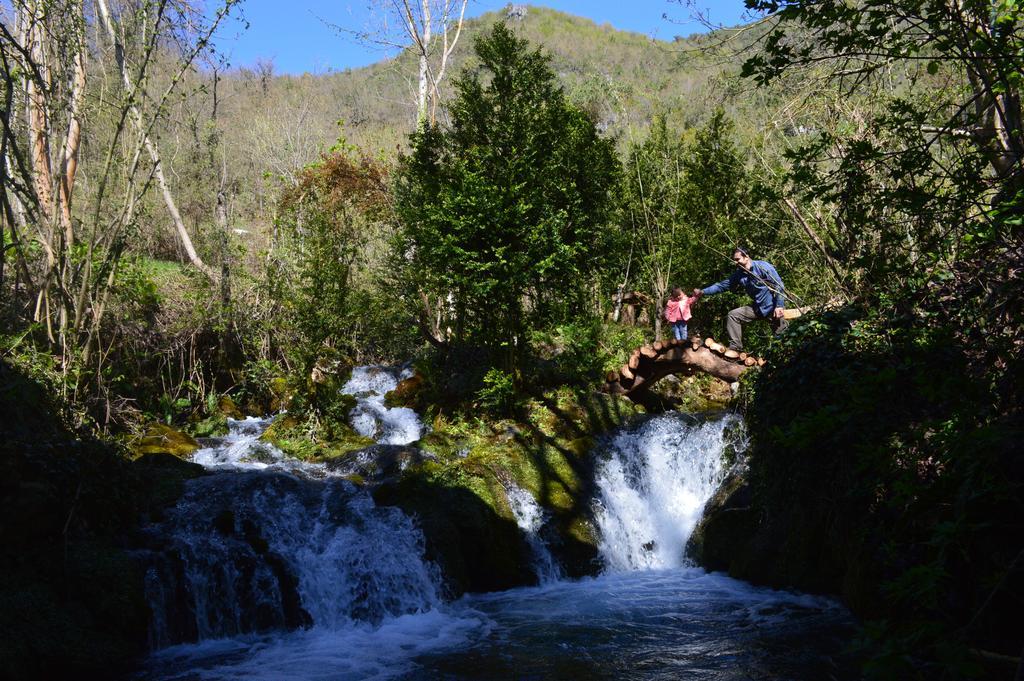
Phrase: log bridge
[650,363]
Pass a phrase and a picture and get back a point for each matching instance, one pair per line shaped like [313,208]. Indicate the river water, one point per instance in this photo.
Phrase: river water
[274,569]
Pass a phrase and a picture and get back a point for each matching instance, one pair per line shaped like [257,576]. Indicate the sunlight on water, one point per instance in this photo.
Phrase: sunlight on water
[283,572]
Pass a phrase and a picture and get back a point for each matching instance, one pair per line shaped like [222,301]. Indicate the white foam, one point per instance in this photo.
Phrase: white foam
[530,518]
[653,487]
[371,417]
[353,651]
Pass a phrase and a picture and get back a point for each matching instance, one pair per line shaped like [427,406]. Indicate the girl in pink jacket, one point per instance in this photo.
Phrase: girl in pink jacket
[677,312]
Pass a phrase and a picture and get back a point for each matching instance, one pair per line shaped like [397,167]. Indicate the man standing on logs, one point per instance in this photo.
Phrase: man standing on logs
[762,283]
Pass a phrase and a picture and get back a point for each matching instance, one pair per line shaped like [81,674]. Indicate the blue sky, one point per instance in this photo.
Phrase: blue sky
[295,34]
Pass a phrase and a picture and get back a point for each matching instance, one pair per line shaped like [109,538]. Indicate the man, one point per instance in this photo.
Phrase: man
[762,283]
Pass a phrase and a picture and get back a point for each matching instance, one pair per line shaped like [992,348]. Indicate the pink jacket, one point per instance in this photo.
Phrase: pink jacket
[679,310]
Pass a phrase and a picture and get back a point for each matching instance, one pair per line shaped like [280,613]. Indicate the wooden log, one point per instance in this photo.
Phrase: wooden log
[659,346]
[612,376]
[760,362]
[614,388]
[743,356]
[634,359]
[626,372]
[648,351]
[695,343]
[717,348]
[709,342]
[749,361]
[731,354]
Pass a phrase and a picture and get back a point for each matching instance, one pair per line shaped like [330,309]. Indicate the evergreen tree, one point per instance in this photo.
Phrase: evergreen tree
[504,211]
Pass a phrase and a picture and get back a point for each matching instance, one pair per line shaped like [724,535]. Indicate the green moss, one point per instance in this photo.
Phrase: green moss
[162,439]
[312,441]
[547,454]
[226,407]
[212,426]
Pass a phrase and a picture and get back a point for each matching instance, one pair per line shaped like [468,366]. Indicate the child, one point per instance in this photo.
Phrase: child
[677,312]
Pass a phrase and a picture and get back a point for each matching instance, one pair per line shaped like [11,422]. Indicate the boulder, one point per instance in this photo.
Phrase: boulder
[227,407]
[406,393]
[162,439]
[378,463]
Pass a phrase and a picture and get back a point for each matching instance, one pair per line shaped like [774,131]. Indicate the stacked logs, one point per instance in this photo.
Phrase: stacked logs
[719,349]
[650,363]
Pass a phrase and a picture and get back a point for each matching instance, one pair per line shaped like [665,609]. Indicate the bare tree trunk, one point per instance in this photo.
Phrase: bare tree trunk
[151,147]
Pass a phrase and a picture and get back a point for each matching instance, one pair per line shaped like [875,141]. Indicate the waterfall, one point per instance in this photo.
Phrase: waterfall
[268,542]
[250,552]
[653,484]
[270,568]
[530,518]
[370,417]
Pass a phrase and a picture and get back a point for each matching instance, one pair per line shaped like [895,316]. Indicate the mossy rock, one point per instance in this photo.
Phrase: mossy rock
[445,446]
[227,407]
[293,436]
[162,439]
[477,548]
[407,393]
[280,428]
[212,426]
[727,524]
[282,394]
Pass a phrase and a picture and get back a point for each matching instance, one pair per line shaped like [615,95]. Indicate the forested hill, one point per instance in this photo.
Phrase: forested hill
[276,124]
[622,78]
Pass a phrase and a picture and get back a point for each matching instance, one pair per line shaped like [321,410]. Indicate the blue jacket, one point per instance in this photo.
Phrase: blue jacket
[762,283]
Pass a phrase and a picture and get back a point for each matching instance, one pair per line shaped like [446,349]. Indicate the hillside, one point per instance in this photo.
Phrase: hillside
[276,124]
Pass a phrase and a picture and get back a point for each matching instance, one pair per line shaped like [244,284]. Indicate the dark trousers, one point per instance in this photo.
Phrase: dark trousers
[742,315]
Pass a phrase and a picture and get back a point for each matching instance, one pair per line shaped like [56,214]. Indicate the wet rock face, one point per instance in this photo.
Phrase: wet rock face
[379,463]
[729,523]
[407,393]
[162,439]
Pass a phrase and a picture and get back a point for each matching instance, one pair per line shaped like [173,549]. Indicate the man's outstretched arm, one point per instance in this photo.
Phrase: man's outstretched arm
[724,285]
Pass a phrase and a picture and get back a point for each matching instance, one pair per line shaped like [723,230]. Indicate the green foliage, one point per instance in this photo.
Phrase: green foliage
[875,437]
[498,394]
[505,209]
[324,278]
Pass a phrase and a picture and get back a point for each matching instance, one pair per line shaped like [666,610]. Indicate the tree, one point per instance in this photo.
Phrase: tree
[54,63]
[420,22]
[688,199]
[504,211]
[653,189]
[915,175]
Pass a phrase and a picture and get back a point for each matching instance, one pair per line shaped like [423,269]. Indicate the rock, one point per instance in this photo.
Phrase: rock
[476,548]
[295,438]
[161,479]
[406,393]
[162,439]
[728,523]
[226,406]
[213,426]
[377,464]
[282,394]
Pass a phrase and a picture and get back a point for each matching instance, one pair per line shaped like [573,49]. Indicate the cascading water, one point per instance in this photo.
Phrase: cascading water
[370,417]
[282,570]
[265,544]
[530,518]
[653,487]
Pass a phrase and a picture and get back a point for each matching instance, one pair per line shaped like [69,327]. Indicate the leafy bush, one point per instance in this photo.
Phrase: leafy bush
[498,394]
